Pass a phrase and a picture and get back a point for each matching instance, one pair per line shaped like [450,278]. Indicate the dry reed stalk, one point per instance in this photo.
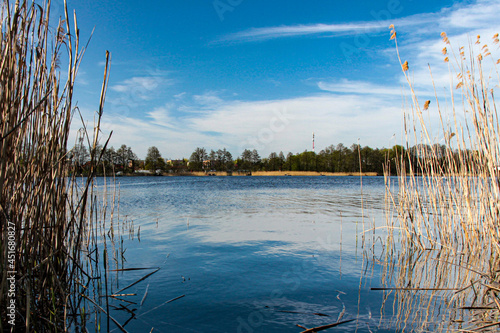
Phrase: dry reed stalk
[447,208]
[48,210]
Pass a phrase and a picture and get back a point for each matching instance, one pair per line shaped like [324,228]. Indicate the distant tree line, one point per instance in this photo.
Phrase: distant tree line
[123,159]
[333,158]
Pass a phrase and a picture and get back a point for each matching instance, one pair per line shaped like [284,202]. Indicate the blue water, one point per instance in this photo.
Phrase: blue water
[250,254]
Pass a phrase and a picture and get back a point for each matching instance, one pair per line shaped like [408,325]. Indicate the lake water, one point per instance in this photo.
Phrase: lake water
[250,254]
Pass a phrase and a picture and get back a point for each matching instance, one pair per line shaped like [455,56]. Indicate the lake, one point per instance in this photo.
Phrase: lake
[249,254]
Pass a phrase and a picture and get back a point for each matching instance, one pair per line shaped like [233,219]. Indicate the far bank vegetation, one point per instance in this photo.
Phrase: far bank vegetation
[337,159]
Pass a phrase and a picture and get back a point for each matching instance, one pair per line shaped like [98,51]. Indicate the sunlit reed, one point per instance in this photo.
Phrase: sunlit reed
[442,261]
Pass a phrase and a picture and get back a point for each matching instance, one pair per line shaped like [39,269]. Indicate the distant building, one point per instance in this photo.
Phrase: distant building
[143,171]
[178,165]
[207,164]
[175,163]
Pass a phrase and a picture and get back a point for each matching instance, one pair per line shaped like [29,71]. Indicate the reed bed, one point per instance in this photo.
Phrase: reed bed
[443,251]
[48,236]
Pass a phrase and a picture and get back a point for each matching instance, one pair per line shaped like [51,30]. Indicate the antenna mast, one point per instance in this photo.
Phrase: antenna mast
[313,142]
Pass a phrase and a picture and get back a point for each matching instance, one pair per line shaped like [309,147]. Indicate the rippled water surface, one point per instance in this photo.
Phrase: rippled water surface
[250,254]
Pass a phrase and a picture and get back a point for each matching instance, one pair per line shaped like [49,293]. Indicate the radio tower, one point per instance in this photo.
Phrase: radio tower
[313,142]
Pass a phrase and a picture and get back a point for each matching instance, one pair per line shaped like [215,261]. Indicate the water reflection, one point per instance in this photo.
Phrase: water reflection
[252,254]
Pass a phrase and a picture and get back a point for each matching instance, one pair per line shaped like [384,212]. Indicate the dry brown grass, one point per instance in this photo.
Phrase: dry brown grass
[50,215]
[285,173]
[310,173]
[443,253]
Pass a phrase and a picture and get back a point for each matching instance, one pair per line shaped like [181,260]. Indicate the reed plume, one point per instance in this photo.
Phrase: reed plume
[446,266]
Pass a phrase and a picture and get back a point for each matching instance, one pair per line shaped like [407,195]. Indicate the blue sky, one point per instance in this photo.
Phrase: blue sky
[240,74]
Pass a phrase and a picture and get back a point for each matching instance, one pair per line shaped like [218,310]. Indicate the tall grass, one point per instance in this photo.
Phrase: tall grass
[448,203]
[47,211]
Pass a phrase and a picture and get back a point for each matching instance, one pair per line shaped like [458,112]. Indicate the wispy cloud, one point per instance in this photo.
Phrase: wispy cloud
[459,16]
[209,99]
[342,110]
[358,87]
[137,91]
[162,116]
[140,86]
[256,34]
[180,95]
[267,33]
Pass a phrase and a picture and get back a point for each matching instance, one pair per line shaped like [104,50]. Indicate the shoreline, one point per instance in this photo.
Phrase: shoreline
[255,174]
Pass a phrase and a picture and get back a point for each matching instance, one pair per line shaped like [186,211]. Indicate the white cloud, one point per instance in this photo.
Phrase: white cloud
[268,125]
[161,116]
[429,71]
[481,13]
[345,111]
[358,87]
[429,74]
[266,33]
[209,99]
[140,86]
[256,34]
[180,96]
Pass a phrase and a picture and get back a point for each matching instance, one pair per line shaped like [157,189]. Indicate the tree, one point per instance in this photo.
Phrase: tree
[99,153]
[246,155]
[121,155]
[281,157]
[125,154]
[305,161]
[273,162]
[255,159]
[197,157]
[154,161]
[288,162]
[98,150]
[353,158]
[223,160]
[213,159]
[80,153]
[341,162]
[229,160]
[109,156]
[330,157]
[246,160]
[376,161]
[132,157]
